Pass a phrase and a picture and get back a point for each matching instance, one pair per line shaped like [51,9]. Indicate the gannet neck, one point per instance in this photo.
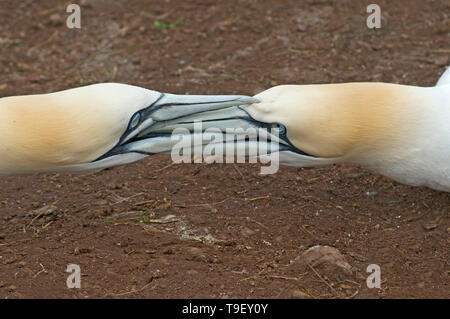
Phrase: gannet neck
[43,132]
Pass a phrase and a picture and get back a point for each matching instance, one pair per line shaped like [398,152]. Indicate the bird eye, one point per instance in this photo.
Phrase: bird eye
[135,120]
[281,127]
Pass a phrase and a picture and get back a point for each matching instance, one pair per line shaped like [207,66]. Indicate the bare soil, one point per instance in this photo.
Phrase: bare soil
[157,230]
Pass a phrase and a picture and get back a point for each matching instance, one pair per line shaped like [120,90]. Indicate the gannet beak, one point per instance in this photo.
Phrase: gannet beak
[239,130]
[147,130]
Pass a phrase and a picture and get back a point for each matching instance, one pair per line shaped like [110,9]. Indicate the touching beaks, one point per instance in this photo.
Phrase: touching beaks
[229,127]
[167,110]
[171,106]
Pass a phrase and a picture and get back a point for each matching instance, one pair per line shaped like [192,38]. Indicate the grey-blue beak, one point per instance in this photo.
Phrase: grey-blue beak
[149,129]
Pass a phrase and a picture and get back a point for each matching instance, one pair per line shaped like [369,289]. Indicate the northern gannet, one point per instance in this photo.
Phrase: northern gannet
[400,131]
[90,127]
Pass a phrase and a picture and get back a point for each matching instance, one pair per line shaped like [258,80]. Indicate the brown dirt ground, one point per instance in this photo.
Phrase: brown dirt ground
[156,230]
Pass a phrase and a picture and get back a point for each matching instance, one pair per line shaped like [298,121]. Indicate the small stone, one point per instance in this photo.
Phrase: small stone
[99,212]
[298,294]
[429,226]
[85,3]
[35,204]
[44,211]
[114,186]
[102,202]
[247,232]
[279,239]
[10,260]
[56,19]
[195,254]
[325,254]
[353,175]
[78,250]
[34,78]
[155,274]
[21,264]
[442,60]
[357,257]
[301,27]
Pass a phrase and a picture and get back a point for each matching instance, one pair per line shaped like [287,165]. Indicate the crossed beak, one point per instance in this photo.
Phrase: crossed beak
[160,127]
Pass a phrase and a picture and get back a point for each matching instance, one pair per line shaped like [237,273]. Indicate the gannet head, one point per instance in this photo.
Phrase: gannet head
[341,121]
[91,127]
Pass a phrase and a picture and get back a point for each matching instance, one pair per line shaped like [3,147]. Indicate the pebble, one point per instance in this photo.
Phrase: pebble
[298,294]
[195,254]
[301,27]
[167,251]
[247,232]
[78,250]
[325,254]
[56,19]
[429,226]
